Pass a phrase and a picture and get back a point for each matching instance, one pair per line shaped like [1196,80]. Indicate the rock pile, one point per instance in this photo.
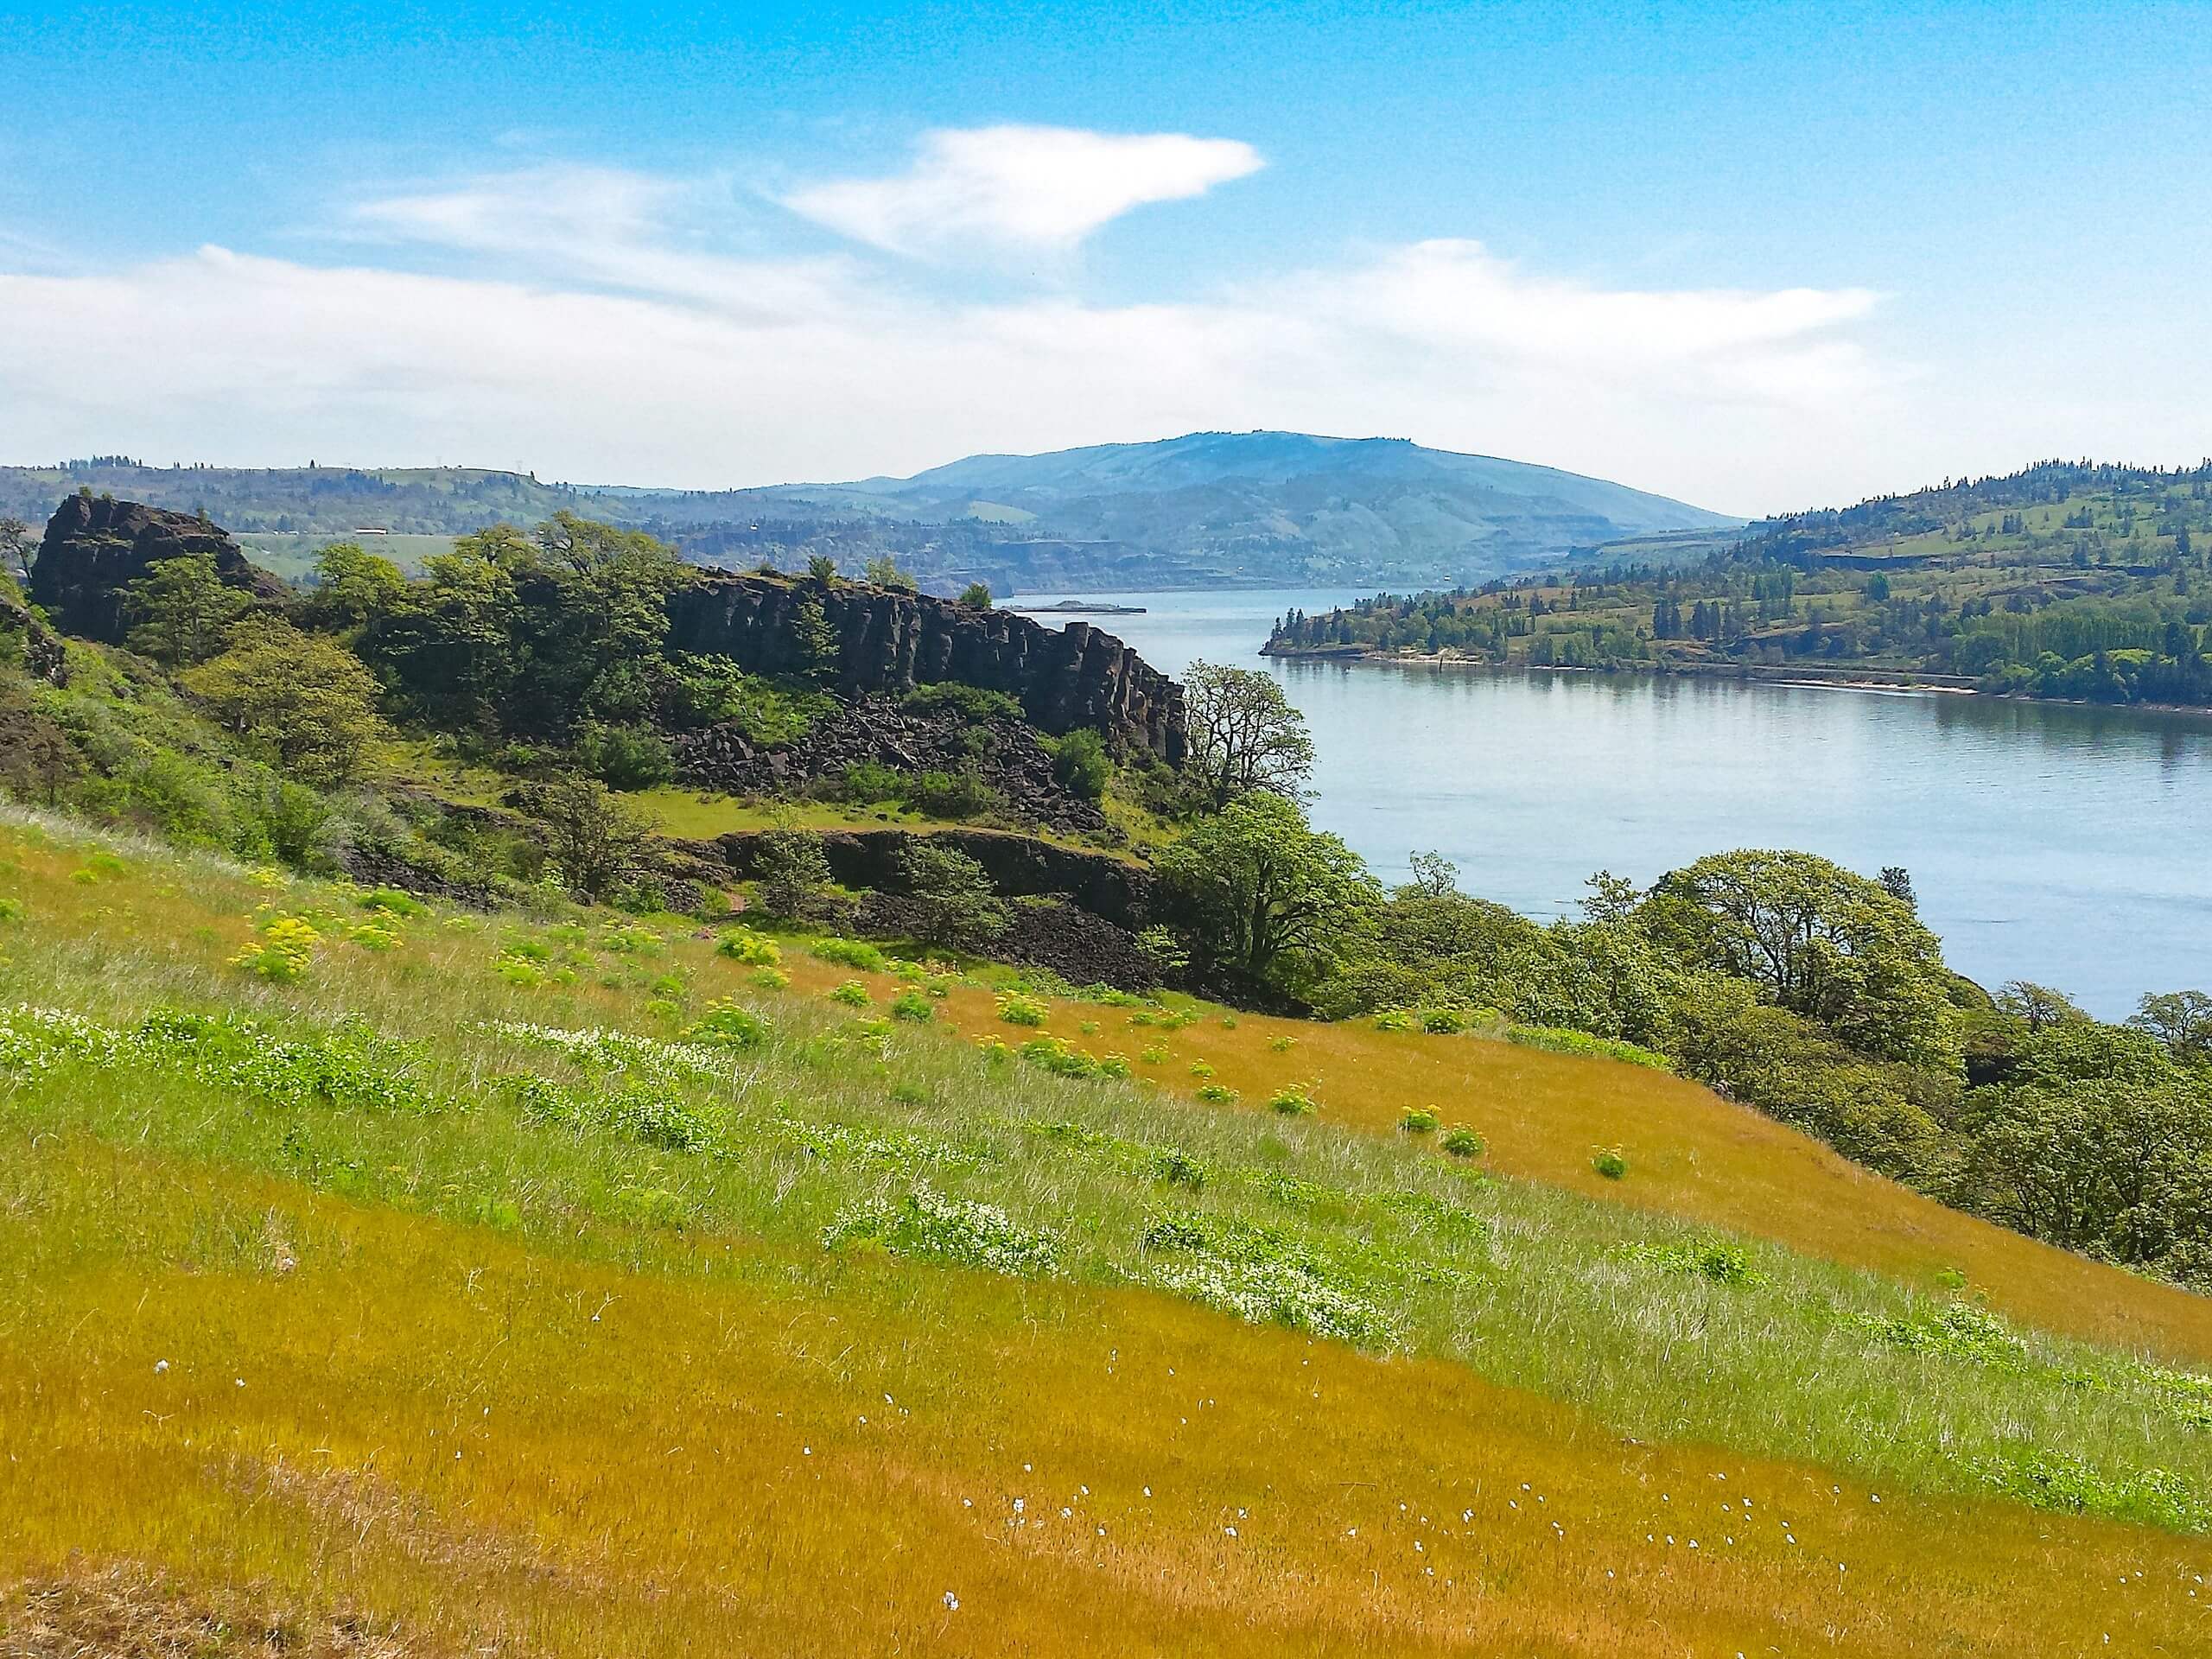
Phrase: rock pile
[1004,755]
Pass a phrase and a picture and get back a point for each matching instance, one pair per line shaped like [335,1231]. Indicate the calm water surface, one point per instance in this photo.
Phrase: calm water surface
[2060,844]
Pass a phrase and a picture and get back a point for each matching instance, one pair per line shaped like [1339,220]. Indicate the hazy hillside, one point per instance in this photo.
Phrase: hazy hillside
[1208,508]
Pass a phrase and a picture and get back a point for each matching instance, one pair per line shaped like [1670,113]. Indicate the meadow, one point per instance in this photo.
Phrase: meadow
[383,1278]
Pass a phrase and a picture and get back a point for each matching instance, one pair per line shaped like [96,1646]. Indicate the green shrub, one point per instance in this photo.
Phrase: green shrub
[727,1025]
[1719,1261]
[849,953]
[1080,763]
[1178,1169]
[938,1227]
[1444,1021]
[1018,1008]
[286,948]
[868,782]
[951,794]
[393,902]
[11,910]
[771,979]
[1610,1162]
[913,1007]
[852,993]
[1218,1094]
[1052,1054]
[624,756]
[1155,1055]
[1281,1045]
[1291,1101]
[971,703]
[651,1206]
[1463,1142]
[1417,1121]
[755,949]
[1396,1019]
[1558,1040]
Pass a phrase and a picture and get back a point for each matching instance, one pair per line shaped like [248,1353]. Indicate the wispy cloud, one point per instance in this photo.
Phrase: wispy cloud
[1022,186]
[582,321]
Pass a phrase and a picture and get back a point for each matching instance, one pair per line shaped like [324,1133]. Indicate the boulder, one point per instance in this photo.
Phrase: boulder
[96,546]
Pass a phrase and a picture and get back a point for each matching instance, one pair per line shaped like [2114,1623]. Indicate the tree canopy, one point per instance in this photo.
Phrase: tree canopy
[1244,735]
[1818,940]
[1262,894]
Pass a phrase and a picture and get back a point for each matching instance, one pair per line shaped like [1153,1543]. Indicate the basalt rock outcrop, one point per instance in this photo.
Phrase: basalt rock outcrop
[881,639]
[96,546]
[1019,866]
[24,639]
[1003,755]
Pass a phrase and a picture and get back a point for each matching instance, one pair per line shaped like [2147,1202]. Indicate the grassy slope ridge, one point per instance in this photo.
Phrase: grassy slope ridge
[678,1348]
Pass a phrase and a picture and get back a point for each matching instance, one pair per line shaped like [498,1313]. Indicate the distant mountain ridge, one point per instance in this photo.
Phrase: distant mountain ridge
[1204,509]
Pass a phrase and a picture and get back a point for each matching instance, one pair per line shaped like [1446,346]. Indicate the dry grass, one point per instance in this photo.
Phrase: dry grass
[478,1445]
[241,1416]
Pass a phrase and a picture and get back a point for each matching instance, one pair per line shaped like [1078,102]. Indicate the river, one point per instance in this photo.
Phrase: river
[2046,841]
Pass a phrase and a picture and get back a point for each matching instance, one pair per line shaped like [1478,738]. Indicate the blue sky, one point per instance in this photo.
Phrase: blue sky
[1756,258]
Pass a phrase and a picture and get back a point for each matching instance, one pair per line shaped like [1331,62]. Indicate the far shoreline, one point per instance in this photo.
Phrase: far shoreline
[1760,673]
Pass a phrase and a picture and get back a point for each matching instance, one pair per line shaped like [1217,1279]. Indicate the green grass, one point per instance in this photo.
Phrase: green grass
[824,1133]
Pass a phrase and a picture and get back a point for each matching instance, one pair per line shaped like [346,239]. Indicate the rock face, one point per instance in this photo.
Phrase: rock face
[97,546]
[24,637]
[886,640]
[1002,754]
[1019,866]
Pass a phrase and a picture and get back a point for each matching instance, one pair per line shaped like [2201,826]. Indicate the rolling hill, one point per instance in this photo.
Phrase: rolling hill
[1207,509]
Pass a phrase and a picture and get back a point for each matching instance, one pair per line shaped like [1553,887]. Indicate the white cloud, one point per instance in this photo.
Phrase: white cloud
[1044,187]
[581,341]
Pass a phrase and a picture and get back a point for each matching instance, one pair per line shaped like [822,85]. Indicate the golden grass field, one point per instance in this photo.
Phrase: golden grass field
[243,1415]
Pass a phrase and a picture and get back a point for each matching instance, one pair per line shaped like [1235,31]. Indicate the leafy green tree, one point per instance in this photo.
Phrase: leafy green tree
[2180,1020]
[182,610]
[2038,1006]
[976,596]
[1081,764]
[624,757]
[1818,940]
[1244,735]
[884,572]
[1260,895]
[19,546]
[2111,1167]
[954,905]
[791,874]
[822,569]
[529,634]
[817,641]
[303,697]
[351,586]
[595,842]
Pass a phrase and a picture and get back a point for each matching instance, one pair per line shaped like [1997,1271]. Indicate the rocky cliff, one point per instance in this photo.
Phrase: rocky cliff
[96,546]
[886,640]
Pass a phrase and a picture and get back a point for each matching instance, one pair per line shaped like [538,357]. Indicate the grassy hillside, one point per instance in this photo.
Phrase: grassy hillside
[2085,582]
[563,1283]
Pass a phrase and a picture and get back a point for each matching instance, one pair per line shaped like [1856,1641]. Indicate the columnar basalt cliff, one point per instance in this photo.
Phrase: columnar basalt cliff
[96,546]
[887,640]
